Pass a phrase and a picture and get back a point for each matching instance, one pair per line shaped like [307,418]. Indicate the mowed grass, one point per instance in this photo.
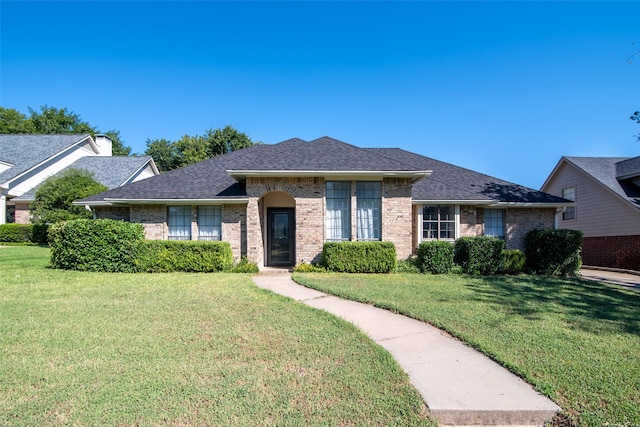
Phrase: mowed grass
[182,349]
[576,341]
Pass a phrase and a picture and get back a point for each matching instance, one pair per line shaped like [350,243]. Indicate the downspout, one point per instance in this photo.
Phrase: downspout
[556,218]
[3,208]
[87,207]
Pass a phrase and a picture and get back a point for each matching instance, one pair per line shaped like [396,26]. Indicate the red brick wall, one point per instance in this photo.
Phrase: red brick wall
[612,251]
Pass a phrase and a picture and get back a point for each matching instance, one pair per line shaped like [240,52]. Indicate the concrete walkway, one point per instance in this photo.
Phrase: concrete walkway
[459,385]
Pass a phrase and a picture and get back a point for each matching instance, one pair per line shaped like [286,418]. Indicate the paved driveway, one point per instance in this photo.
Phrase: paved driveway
[631,281]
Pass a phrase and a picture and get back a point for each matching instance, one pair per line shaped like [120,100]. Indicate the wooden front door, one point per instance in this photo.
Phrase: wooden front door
[281,236]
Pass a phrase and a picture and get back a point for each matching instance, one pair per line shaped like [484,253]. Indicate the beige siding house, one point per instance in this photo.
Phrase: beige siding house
[278,204]
[607,207]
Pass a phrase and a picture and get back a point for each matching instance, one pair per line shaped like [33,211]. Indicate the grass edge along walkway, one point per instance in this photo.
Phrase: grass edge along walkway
[577,342]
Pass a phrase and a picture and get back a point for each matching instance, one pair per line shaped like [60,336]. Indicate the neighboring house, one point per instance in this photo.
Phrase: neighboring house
[606,191]
[278,204]
[27,160]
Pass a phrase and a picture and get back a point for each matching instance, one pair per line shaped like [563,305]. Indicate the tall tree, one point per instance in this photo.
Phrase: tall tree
[164,152]
[51,120]
[13,121]
[636,117]
[226,140]
[54,197]
[192,149]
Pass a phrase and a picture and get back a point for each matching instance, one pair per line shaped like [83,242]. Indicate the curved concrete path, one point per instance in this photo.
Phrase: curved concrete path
[459,385]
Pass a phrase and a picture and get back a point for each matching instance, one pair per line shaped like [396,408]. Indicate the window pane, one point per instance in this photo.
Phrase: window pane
[369,210]
[209,222]
[338,214]
[494,223]
[179,222]
[570,212]
[438,222]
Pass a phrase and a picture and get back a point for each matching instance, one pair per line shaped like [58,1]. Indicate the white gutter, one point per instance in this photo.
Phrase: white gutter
[111,202]
[242,174]
[493,203]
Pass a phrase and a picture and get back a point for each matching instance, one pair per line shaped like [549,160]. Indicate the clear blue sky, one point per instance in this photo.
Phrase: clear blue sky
[503,88]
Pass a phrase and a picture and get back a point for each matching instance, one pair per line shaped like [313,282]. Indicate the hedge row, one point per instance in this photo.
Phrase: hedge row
[359,257]
[547,252]
[27,233]
[117,246]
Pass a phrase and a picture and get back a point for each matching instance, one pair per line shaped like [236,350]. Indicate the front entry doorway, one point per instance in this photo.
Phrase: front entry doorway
[281,236]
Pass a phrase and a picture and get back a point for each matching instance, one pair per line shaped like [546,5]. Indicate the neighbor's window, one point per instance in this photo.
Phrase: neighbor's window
[338,215]
[179,221]
[438,222]
[209,222]
[369,210]
[570,212]
[494,223]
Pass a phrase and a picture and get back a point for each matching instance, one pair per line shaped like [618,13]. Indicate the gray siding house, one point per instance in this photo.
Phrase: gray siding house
[277,204]
[27,160]
[606,191]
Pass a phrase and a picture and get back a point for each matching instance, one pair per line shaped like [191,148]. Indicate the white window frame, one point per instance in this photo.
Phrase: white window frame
[569,193]
[369,210]
[456,226]
[210,223]
[178,231]
[341,215]
[502,219]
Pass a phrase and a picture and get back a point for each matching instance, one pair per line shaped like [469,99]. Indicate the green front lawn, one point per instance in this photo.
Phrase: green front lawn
[576,341]
[182,349]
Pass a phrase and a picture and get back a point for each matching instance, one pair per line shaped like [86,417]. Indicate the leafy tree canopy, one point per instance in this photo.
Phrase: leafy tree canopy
[636,117]
[192,149]
[51,120]
[54,197]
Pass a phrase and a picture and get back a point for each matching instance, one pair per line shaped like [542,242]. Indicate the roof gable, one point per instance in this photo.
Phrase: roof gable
[605,171]
[25,152]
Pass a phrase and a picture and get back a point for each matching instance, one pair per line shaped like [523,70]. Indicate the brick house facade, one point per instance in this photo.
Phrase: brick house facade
[276,211]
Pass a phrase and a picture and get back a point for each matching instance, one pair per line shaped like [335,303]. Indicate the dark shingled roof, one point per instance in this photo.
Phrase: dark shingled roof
[27,151]
[209,179]
[450,182]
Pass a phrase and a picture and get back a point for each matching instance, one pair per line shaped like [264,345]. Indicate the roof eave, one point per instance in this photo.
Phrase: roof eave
[495,203]
[241,175]
[114,201]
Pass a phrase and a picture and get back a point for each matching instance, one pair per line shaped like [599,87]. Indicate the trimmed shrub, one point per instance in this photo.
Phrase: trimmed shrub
[35,233]
[15,232]
[435,257]
[359,257]
[513,262]
[245,266]
[409,265]
[40,233]
[95,245]
[554,252]
[480,255]
[308,268]
[183,255]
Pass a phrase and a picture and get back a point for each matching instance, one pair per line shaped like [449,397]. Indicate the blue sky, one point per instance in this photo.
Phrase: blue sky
[503,88]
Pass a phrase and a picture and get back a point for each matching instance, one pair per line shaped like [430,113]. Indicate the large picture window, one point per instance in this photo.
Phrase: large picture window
[494,223]
[179,222]
[369,210]
[338,214]
[209,222]
[438,222]
[570,212]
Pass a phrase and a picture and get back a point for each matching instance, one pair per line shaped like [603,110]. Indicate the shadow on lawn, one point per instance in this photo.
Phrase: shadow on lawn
[590,306]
